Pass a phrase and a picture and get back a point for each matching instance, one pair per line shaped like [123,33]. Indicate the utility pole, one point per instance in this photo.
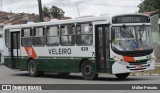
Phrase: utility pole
[40,11]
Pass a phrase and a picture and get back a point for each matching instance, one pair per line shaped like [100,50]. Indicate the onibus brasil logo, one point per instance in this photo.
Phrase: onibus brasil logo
[21,87]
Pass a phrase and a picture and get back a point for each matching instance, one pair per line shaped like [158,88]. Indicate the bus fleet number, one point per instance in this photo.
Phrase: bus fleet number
[84,48]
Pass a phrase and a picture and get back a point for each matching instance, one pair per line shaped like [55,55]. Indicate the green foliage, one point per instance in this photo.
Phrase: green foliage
[46,12]
[54,12]
[149,5]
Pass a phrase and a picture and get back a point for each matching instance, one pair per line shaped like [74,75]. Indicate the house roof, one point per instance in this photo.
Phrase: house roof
[19,18]
[22,18]
[152,12]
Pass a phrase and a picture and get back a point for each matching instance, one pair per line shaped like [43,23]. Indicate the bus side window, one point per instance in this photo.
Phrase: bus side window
[84,34]
[26,37]
[38,36]
[52,34]
[7,38]
[68,35]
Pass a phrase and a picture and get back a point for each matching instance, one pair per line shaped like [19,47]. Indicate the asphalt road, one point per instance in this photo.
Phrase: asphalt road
[8,76]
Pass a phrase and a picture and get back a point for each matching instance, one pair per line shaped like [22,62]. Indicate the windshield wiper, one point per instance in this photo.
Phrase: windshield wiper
[141,33]
[126,34]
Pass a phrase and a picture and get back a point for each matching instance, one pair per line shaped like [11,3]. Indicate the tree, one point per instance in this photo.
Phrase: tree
[57,12]
[54,12]
[46,12]
[149,5]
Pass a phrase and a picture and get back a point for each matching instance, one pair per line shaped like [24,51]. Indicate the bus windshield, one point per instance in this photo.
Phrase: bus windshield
[131,38]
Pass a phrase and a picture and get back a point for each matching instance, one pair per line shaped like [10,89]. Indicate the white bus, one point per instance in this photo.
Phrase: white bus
[118,44]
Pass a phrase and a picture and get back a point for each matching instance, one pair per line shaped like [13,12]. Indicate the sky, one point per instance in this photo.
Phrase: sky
[71,7]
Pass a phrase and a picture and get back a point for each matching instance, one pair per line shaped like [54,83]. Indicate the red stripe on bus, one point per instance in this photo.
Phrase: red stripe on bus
[30,51]
[128,59]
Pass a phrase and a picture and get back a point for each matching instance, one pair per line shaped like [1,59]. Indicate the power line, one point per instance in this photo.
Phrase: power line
[1,5]
[8,2]
[4,2]
[125,0]
[94,4]
[78,9]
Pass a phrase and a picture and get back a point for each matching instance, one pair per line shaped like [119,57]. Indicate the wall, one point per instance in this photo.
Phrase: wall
[1,49]
[1,44]
[156,42]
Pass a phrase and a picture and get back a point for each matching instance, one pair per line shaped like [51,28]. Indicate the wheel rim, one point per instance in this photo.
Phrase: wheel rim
[32,68]
[88,69]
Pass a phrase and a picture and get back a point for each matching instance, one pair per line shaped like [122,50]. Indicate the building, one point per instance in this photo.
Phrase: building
[1,43]
[159,24]
[156,31]
[19,18]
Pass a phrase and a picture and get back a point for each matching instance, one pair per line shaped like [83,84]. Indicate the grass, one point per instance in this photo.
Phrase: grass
[156,71]
[149,72]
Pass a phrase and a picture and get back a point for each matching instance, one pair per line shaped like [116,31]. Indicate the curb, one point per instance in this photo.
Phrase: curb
[149,74]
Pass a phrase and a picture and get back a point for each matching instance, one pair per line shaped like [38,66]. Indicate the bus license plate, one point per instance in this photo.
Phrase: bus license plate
[138,66]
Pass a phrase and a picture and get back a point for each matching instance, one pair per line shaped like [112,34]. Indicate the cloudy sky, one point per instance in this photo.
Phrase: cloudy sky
[86,7]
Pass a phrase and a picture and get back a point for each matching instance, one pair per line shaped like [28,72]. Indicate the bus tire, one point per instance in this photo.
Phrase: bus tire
[32,69]
[122,75]
[88,71]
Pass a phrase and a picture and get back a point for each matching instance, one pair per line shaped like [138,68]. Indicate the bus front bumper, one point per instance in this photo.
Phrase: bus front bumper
[125,67]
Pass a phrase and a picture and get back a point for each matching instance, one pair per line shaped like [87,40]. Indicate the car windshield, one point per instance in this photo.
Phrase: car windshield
[131,38]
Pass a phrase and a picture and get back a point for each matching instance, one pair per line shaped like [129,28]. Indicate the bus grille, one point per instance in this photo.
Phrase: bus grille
[142,65]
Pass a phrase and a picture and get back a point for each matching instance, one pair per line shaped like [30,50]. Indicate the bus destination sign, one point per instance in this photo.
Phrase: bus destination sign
[131,19]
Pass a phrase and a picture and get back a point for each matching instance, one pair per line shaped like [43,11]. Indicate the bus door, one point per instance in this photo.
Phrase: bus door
[15,49]
[102,47]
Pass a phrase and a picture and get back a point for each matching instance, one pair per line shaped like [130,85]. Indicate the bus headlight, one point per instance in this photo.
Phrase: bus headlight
[117,59]
[151,56]
[120,61]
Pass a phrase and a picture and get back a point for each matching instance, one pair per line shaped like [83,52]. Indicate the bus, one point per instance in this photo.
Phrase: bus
[115,44]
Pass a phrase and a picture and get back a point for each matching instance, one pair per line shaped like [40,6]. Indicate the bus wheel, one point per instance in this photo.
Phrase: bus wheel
[122,75]
[88,71]
[32,68]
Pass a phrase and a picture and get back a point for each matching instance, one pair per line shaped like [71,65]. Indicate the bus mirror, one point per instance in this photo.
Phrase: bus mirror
[124,26]
[112,35]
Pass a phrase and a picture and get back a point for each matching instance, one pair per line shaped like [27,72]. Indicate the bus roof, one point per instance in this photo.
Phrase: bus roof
[57,22]
[106,18]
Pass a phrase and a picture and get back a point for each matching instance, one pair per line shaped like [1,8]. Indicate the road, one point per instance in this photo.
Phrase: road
[8,76]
